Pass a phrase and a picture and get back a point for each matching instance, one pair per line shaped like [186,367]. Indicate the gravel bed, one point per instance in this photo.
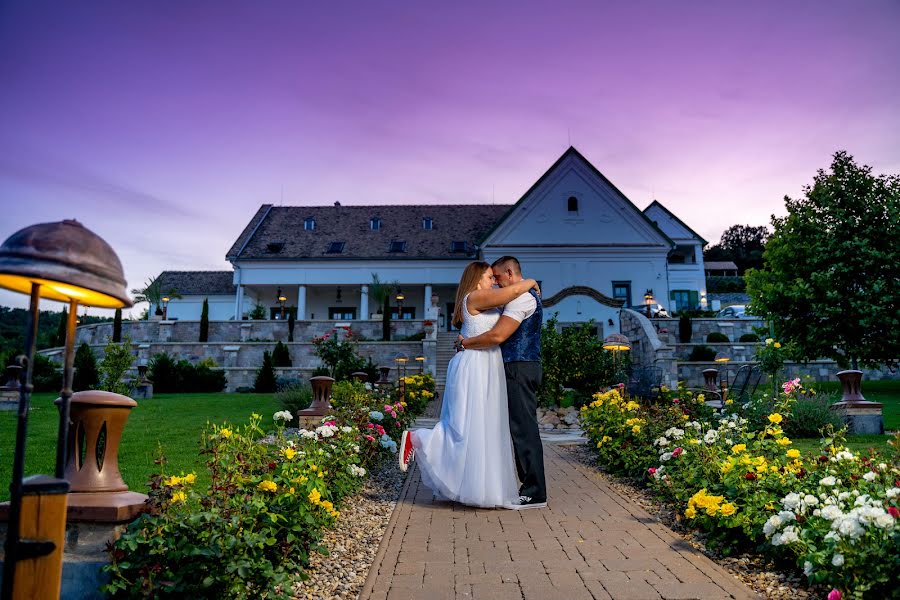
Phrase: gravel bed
[353,541]
[770,580]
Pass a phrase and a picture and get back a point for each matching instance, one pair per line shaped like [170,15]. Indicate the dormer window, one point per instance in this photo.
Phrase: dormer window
[335,247]
[397,246]
[458,246]
[427,223]
[572,204]
[274,247]
[309,224]
[374,223]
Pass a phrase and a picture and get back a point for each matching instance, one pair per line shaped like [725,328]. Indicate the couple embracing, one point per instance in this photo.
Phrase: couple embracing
[486,449]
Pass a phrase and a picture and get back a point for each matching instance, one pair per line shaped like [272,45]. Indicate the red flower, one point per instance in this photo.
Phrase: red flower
[823,459]
[675,400]
[801,473]
[676,452]
[894,512]
[834,594]
[652,470]
[750,476]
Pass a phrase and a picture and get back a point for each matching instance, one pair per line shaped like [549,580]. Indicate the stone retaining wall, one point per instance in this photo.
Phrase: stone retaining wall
[647,349]
[819,370]
[667,329]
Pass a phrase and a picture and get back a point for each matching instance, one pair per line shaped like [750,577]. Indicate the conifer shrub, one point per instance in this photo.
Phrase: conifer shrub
[265,376]
[281,356]
[204,321]
[86,375]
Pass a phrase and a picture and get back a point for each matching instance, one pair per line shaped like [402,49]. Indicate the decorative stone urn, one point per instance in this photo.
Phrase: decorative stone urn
[321,404]
[360,376]
[384,371]
[710,379]
[862,417]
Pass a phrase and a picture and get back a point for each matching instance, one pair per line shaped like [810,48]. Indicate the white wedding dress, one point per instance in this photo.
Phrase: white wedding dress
[468,456]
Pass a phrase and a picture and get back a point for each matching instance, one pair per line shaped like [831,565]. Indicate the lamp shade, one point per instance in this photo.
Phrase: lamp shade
[69,262]
[722,357]
[616,342]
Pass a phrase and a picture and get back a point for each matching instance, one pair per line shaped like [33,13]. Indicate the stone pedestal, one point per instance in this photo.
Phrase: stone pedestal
[246,331]
[710,379]
[862,417]
[143,390]
[321,404]
[165,331]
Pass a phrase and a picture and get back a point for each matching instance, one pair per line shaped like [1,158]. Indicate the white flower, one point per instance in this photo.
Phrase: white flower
[830,480]
[870,476]
[674,433]
[282,415]
[355,448]
[807,568]
[892,492]
[788,536]
[844,455]
[769,341]
[838,560]
[711,436]
[346,429]
[884,521]
[843,496]
[882,467]
[661,442]
[831,512]
[791,501]
[817,513]
[665,456]
[847,525]
[729,441]
[786,516]
[833,535]
[810,500]
[368,386]
[772,525]
[305,433]
[357,471]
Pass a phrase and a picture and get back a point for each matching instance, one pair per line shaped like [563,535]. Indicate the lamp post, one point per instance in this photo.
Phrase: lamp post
[165,301]
[615,343]
[421,360]
[65,262]
[723,359]
[400,299]
[281,300]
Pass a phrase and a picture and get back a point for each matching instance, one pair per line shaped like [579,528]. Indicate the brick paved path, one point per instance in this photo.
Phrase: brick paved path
[590,542]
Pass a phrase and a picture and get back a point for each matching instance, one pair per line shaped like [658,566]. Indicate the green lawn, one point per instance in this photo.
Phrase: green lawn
[171,420]
[856,443]
[886,392]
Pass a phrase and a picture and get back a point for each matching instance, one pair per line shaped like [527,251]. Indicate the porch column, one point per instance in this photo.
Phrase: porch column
[364,302]
[426,306]
[239,303]
[301,303]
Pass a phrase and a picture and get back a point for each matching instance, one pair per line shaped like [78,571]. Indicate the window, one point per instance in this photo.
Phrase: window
[458,246]
[397,246]
[622,291]
[341,313]
[335,247]
[427,223]
[374,223]
[685,299]
[573,204]
[408,313]
[309,224]
[683,255]
[274,247]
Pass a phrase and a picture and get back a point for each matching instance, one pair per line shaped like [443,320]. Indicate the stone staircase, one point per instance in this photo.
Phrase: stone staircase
[445,352]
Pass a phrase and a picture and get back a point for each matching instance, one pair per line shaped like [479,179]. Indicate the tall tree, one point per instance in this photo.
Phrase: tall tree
[60,339]
[117,326]
[831,282]
[743,244]
[204,321]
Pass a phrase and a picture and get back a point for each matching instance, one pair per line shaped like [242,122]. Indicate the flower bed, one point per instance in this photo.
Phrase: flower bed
[834,514]
[251,532]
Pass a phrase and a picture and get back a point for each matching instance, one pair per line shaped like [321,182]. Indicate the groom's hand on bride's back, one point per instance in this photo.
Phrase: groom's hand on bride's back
[457,345]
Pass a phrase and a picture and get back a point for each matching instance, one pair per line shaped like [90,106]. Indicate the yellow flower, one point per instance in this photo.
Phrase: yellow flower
[775,418]
[690,513]
[268,486]
[289,453]
[725,467]
[770,506]
[291,491]
[777,344]
[738,448]
[335,514]
[693,441]
[313,468]
[315,496]
[728,509]
[783,441]
[327,505]
[636,429]
[793,453]
[179,496]
[632,405]
[729,401]
[172,481]
[225,433]
[189,478]
[255,416]
[684,417]
[711,510]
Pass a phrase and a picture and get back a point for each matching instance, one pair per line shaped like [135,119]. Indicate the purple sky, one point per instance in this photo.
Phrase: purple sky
[163,125]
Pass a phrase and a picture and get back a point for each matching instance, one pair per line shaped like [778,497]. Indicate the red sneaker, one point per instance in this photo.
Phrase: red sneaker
[405,455]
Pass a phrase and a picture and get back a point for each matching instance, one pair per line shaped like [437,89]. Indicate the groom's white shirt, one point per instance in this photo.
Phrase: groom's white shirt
[521,307]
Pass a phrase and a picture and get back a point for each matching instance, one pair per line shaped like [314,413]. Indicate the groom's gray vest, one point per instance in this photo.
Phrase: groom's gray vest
[525,344]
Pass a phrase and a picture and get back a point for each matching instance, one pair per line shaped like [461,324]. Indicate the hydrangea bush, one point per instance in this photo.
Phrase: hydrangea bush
[834,513]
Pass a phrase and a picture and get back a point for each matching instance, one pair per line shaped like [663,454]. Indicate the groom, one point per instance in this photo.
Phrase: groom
[519,334]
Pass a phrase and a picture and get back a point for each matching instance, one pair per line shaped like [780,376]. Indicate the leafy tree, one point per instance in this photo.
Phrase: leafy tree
[381,293]
[265,376]
[574,358]
[117,326]
[117,359]
[204,321]
[742,244]
[831,282]
[86,375]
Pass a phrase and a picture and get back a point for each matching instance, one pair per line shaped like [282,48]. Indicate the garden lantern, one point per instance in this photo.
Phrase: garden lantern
[615,343]
[723,359]
[281,300]
[421,360]
[165,301]
[66,262]
[400,299]
[648,297]
[401,360]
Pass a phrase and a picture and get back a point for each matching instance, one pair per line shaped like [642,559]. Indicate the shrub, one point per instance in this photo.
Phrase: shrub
[702,354]
[117,360]
[169,376]
[265,376]
[46,376]
[749,337]
[86,375]
[281,356]
[291,322]
[163,374]
[338,350]
[810,415]
[418,392]
[258,313]
[574,358]
[685,329]
[717,337]
[204,321]
[117,326]
[294,397]
[718,284]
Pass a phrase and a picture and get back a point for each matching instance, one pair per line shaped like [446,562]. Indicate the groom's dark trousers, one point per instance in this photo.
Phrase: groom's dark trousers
[522,381]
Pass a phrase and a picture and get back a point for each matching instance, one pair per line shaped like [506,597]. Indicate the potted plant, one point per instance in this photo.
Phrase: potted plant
[428,325]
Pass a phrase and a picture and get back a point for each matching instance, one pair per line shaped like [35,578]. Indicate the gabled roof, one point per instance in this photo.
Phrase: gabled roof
[572,152]
[723,265]
[197,283]
[278,233]
[659,205]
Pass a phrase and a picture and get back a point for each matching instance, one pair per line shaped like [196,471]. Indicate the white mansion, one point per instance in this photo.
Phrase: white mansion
[590,247]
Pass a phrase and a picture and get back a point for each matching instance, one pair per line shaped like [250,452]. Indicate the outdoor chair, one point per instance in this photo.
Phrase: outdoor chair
[745,382]
[643,382]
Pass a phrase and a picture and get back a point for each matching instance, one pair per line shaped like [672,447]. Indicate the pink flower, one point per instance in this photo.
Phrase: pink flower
[388,407]
[621,385]
[834,594]
[331,423]
[370,426]
[892,510]
[370,438]
[677,451]
[652,470]
[675,400]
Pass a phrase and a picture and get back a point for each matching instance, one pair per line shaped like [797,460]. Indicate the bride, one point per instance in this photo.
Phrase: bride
[468,456]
